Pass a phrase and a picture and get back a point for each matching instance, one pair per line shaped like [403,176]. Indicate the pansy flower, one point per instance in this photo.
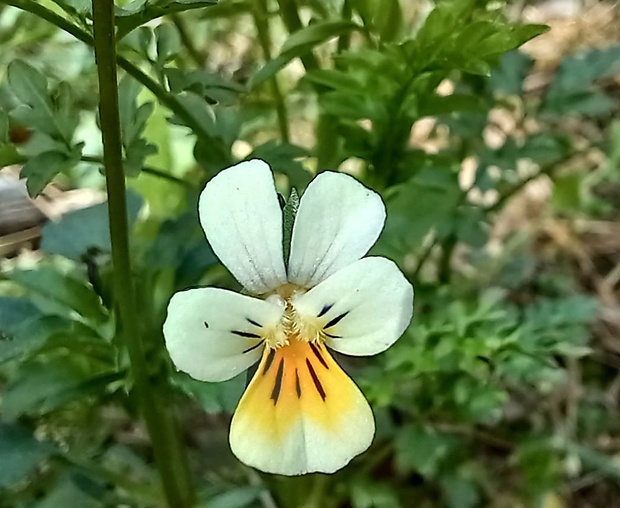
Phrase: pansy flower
[300,413]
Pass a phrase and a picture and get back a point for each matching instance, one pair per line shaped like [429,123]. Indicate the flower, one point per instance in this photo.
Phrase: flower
[300,413]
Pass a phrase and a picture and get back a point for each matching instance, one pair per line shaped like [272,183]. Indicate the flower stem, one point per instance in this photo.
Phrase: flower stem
[161,424]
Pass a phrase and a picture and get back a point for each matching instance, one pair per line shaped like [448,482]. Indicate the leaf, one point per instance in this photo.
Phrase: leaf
[14,312]
[41,169]
[32,335]
[37,110]
[423,449]
[388,19]
[133,120]
[42,387]
[300,43]
[509,75]
[282,159]
[61,289]
[20,454]
[139,12]
[214,398]
[417,207]
[168,43]
[75,7]
[69,491]
[316,33]
[84,230]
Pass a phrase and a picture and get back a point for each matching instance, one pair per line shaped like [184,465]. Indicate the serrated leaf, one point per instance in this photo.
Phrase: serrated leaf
[61,289]
[41,169]
[139,12]
[37,110]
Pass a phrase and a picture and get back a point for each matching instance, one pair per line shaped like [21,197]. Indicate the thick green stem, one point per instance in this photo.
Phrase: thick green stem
[161,424]
[261,20]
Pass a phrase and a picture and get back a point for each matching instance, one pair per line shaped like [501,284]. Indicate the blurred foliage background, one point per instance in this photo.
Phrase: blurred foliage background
[498,160]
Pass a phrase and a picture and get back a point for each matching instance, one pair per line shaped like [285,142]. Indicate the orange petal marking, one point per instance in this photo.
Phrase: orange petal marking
[295,381]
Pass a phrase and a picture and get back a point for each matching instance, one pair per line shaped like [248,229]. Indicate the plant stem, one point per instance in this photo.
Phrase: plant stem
[261,20]
[162,427]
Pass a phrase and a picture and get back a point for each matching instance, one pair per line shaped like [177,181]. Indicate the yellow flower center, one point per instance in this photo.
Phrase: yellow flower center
[291,324]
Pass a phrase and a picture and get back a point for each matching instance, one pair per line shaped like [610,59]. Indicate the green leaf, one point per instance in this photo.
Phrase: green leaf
[84,230]
[388,19]
[41,169]
[37,110]
[300,43]
[20,454]
[14,312]
[32,335]
[42,387]
[241,497]
[133,120]
[282,158]
[70,492]
[61,289]
[423,449]
[288,219]
[214,398]
[75,7]
[509,75]
[139,12]
[314,34]
[168,43]
[417,207]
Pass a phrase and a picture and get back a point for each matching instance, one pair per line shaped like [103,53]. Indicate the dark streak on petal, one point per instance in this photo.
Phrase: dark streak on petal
[325,309]
[247,335]
[332,336]
[252,322]
[336,320]
[206,324]
[315,378]
[269,361]
[252,348]
[275,394]
[297,384]
[317,353]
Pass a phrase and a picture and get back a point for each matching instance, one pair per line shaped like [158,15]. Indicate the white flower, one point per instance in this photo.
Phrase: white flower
[301,413]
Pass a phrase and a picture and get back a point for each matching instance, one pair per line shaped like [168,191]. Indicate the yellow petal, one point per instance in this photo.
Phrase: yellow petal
[301,413]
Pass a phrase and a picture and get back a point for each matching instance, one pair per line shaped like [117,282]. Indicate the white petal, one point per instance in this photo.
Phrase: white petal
[370,301]
[241,216]
[200,331]
[338,221]
[300,414]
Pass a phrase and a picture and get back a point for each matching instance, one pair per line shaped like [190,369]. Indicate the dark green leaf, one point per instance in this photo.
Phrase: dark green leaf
[61,289]
[14,312]
[86,229]
[315,34]
[139,12]
[37,110]
[20,453]
[44,386]
[41,169]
